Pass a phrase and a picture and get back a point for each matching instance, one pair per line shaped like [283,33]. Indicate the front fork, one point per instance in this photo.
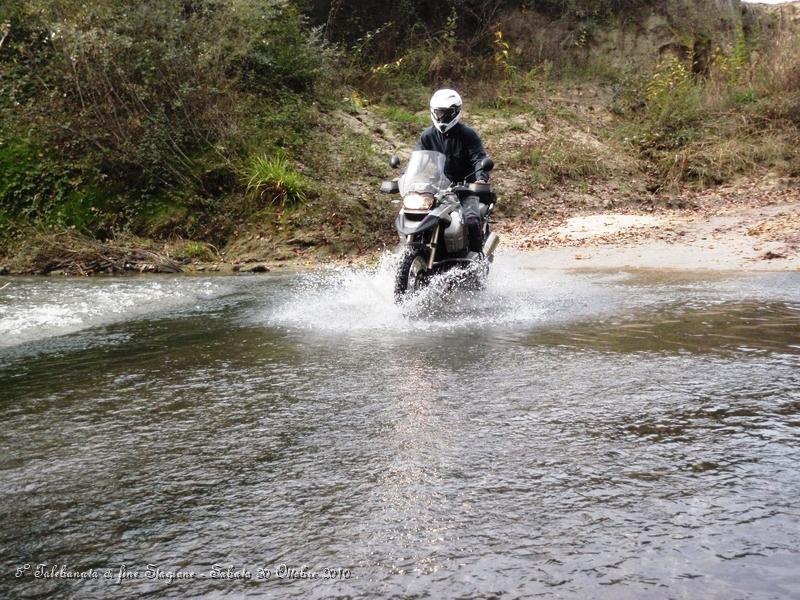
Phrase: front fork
[434,245]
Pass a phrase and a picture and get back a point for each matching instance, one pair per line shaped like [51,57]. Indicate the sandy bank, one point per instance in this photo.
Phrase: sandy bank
[734,238]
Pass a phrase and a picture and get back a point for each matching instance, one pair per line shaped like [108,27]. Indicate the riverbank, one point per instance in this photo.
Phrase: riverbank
[753,227]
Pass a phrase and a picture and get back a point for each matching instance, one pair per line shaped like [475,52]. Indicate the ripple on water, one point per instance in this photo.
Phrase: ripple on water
[554,463]
[44,308]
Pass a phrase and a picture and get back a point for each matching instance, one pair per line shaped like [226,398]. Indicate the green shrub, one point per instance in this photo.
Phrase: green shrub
[776,79]
[80,209]
[151,98]
[741,117]
[6,228]
[19,173]
[36,187]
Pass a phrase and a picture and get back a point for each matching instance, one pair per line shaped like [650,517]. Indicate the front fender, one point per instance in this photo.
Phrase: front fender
[432,219]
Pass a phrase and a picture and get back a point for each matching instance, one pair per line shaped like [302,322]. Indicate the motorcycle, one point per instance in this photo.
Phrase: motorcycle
[431,224]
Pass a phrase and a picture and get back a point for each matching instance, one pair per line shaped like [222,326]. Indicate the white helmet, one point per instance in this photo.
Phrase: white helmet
[445,109]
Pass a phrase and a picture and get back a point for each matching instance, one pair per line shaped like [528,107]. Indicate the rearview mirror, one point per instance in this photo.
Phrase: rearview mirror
[394,162]
[487,164]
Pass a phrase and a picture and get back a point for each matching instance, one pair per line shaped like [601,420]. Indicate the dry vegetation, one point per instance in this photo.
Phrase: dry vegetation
[70,253]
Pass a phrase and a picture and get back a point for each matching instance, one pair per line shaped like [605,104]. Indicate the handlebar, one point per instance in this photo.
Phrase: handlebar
[475,188]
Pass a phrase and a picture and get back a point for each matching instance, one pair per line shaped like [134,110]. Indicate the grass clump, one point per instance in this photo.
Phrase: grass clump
[193,250]
[410,123]
[718,159]
[562,160]
[276,178]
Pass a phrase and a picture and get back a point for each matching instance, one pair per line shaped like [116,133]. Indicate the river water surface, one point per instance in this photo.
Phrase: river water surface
[558,435]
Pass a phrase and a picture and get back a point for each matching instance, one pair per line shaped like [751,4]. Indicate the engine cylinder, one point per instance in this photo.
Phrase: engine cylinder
[455,237]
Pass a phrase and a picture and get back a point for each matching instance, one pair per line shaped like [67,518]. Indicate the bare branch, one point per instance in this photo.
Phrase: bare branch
[334,9]
[6,29]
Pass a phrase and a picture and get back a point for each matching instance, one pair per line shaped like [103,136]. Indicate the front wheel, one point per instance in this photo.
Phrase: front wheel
[412,272]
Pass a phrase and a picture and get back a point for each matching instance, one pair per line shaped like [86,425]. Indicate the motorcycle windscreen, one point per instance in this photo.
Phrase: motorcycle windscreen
[424,174]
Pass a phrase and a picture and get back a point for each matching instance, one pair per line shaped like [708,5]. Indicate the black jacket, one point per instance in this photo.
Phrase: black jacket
[462,147]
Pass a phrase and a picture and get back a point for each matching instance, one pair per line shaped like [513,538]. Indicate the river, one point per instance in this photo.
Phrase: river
[607,434]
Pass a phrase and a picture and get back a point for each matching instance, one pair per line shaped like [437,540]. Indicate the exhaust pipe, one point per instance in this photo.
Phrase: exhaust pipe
[490,245]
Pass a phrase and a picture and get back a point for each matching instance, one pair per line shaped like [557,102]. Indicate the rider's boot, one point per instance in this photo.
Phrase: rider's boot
[475,232]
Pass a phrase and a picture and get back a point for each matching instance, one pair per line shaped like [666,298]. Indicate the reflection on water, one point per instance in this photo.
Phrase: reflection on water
[605,435]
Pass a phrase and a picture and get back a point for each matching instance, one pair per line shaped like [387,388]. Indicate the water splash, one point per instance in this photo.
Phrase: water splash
[359,300]
[38,309]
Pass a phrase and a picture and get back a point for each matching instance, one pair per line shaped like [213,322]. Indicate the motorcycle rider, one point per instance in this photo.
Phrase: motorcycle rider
[464,151]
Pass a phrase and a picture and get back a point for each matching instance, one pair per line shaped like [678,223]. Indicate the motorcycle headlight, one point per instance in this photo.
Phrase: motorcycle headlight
[418,201]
